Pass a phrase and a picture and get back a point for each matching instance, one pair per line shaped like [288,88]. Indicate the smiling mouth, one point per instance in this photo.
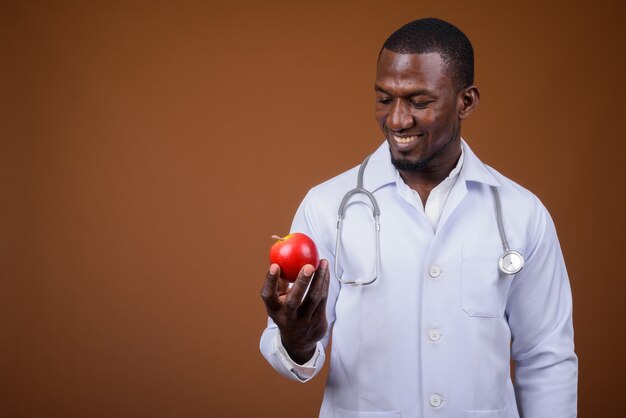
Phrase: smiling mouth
[405,139]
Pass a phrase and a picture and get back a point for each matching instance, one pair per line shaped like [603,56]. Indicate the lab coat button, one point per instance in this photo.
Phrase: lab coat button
[434,271]
[434,335]
[435,400]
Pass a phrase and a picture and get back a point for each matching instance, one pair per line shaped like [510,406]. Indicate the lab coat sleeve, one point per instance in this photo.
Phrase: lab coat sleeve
[539,312]
[274,352]
[305,221]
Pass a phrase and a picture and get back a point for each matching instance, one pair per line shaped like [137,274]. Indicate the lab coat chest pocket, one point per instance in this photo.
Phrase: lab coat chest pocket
[484,288]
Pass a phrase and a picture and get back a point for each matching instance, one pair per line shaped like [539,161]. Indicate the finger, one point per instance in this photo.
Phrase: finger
[317,289]
[319,316]
[294,297]
[268,292]
[320,309]
[283,286]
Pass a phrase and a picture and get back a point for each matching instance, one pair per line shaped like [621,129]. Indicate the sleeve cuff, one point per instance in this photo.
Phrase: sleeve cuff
[303,372]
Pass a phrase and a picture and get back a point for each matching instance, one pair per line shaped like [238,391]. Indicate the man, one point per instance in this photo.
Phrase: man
[434,334]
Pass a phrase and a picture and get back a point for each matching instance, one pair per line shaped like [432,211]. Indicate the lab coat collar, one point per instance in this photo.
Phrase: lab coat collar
[475,170]
[380,171]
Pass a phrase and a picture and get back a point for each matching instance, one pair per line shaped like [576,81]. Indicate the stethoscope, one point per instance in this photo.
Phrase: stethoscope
[510,262]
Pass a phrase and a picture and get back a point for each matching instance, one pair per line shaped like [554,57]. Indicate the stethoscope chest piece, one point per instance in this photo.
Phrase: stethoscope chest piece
[511,262]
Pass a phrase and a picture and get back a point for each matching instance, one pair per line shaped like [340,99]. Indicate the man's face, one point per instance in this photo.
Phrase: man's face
[417,108]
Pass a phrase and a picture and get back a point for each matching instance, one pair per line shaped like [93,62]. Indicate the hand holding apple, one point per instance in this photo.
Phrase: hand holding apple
[293,252]
[299,314]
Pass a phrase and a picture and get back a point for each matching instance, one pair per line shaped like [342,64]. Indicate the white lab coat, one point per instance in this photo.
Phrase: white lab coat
[434,335]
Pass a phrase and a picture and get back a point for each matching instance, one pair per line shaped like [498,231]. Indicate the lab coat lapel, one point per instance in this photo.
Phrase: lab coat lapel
[473,170]
[379,171]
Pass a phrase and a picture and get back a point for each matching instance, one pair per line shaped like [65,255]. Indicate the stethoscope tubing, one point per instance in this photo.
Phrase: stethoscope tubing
[510,262]
[359,189]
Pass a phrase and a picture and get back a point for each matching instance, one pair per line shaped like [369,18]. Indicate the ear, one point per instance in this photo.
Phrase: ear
[468,101]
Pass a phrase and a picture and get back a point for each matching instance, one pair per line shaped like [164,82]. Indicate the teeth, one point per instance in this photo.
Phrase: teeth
[404,140]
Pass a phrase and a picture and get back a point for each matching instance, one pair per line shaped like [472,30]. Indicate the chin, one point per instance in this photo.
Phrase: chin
[407,164]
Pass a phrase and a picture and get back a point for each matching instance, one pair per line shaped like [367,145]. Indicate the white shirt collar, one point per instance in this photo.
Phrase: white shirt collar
[438,196]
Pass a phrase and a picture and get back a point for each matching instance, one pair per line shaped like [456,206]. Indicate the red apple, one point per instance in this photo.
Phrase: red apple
[292,252]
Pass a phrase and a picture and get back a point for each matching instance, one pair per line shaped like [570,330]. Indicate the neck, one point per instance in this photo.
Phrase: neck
[424,181]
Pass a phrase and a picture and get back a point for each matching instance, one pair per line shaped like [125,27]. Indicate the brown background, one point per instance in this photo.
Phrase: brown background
[148,151]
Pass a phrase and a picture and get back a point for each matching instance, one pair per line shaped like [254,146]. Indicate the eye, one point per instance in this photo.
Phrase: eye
[384,100]
[420,104]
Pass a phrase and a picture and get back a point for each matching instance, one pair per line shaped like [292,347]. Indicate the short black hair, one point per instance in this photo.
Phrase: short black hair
[426,35]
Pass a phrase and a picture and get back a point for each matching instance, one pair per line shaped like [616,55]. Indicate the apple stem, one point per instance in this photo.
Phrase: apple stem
[276,237]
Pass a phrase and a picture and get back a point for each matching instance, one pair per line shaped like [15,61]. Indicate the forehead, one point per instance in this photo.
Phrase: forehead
[416,71]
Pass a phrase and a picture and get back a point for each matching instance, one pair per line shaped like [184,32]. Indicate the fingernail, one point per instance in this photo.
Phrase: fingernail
[308,270]
[273,269]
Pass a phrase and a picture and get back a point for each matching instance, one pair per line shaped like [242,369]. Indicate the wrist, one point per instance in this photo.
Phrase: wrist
[299,353]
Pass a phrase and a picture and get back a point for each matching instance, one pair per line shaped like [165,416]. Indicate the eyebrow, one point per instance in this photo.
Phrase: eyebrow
[418,92]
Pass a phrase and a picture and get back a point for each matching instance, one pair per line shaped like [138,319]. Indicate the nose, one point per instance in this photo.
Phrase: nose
[399,117]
